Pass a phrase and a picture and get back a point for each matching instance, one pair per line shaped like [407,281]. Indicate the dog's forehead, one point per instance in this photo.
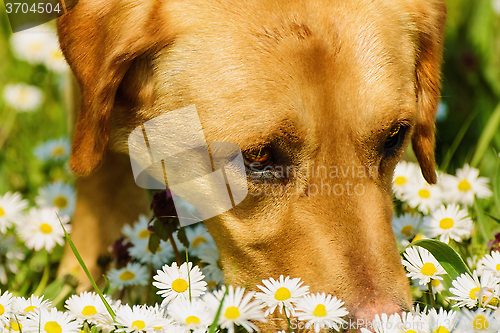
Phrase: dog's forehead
[267,63]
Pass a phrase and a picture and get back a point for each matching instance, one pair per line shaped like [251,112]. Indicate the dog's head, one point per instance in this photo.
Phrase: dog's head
[322,97]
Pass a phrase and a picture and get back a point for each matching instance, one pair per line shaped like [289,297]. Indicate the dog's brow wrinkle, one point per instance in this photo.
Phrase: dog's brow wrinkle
[299,30]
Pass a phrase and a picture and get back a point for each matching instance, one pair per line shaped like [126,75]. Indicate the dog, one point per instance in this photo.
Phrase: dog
[314,85]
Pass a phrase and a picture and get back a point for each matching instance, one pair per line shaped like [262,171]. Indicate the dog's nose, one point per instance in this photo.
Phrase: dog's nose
[365,315]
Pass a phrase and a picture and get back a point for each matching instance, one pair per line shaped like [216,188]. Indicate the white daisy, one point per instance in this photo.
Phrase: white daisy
[53,57]
[179,282]
[422,265]
[412,322]
[140,251]
[139,230]
[52,321]
[385,324]
[437,286]
[23,97]
[490,262]
[15,324]
[5,307]
[86,306]
[199,239]
[496,6]
[403,174]
[469,290]
[30,45]
[139,318]
[282,292]
[11,207]
[321,311]
[212,268]
[103,321]
[439,322]
[130,275]
[58,195]
[418,194]
[480,320]
[57,150]
[237,308]
[465,186]
[190,315]
[449,222]
[41,229]
[406,227]
[26,306]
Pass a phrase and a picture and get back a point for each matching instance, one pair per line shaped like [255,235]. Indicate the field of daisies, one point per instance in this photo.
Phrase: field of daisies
[448,234]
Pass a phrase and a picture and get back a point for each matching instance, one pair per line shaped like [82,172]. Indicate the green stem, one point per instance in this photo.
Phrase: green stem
[287,319]
[480,222]
[176,250]
[7,126]
[45,278]
[189,276]
[431,295]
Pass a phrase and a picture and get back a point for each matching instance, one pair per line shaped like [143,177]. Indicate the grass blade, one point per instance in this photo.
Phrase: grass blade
[486,136]
[86,270]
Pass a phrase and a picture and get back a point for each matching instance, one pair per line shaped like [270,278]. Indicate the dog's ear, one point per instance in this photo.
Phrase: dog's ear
[430,21]
[100,39]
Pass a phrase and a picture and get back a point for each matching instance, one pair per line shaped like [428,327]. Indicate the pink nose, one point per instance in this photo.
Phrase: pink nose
[365,315]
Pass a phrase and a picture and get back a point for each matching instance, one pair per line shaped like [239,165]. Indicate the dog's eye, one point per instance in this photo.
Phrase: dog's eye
[395,137]
[258,158]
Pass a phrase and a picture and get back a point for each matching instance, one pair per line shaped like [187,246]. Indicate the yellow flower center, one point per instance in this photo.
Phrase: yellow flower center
[232,312]
[2,212]
[57,151]
[23,94]
[493,301]
[464,186]
[89,310]
[282,294]
[319,310]
[400,180]
[435,283]
[480,323]
[192,320]
[144,234]
[407,230]
[60,202]
[14,326]
[52,327]
[45,228]
[179,285]
[472,293]
[198,241]
[417,237]
[424,193]
[127,276]
[29,308]
[446,223]
[441,329]
[57,55]
[497,267]
[411,331]
[2,309]
[428,269]
[139,324]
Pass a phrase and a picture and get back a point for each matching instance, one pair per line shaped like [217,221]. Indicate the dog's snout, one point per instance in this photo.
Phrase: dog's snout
[364,317]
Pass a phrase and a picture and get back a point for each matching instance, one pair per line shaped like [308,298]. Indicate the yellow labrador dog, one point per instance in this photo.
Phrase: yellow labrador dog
[333,88]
